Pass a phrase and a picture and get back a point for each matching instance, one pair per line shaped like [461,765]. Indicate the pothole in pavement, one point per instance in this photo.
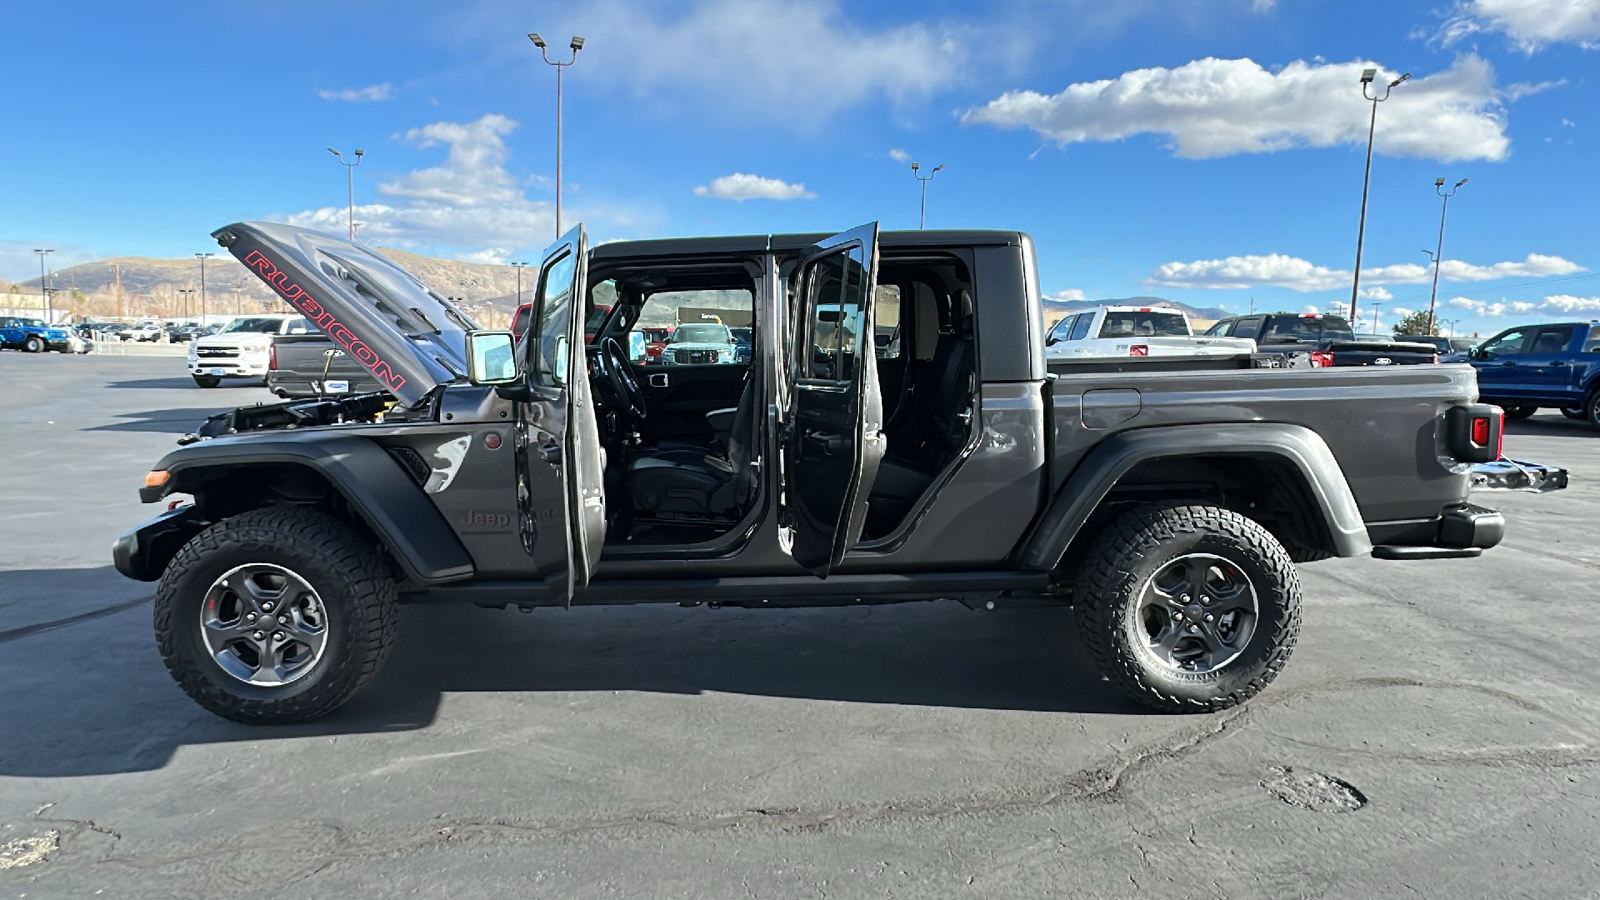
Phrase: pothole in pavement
[1313,790]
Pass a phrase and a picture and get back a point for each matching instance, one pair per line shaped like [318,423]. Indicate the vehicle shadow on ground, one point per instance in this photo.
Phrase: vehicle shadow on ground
[1549,425]
[171,421]
[183,382]
[65,715]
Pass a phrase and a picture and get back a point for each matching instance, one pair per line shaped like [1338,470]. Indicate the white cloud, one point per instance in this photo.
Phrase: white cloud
[1376,293]
[1070,295]
[470,205]
[1530,24]
[1566,303]
[360,95]
[899,156]
[1296,274]
[741,187]
[1493,309]
[1309,308]
[1218,107]
[1263,6]
[785,60]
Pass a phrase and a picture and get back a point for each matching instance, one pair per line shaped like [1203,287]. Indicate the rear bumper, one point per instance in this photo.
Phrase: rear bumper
[1461,531]
[1510,475]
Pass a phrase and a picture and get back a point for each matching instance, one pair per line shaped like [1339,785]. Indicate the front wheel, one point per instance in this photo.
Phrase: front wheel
[33,345]
[1574,412]
[1188,608]
[274,616]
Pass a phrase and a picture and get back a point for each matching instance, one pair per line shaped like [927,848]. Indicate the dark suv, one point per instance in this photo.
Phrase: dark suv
[1326,339]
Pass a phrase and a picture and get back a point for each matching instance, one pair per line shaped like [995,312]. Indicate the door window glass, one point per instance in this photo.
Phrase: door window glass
[1506,344]
[886,321]
[1059,332]
[1552,341]
[683,328]
[1154,323]
[836,287]
[1248,328]
[550,350]
[1080,327]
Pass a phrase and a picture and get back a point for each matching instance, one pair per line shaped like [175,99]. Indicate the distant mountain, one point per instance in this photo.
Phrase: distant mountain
[1054,310]
[150,286]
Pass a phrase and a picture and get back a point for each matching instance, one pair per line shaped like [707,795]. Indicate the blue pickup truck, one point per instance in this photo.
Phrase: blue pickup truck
[1551,366]
[33,335]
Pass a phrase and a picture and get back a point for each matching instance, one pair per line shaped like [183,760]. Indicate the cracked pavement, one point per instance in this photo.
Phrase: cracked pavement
[915,751]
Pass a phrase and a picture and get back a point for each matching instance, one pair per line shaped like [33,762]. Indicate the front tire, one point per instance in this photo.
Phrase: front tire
[33,345]
[1514,413]
[275,616]
[1576,413]
[1188,608]
[1591,409]
[207,381]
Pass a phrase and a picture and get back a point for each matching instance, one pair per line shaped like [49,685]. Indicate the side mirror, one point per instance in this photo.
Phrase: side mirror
[1051,338]
[491,357]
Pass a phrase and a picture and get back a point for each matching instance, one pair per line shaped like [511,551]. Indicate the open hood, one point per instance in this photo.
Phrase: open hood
[411,339]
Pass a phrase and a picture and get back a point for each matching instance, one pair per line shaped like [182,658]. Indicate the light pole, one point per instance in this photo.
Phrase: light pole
[1438,188]
[44,289]
[1376,306]
[350,184]
[576,45]
[1366,182]
[922,219]
[186,294]
[519,266]
[203,257]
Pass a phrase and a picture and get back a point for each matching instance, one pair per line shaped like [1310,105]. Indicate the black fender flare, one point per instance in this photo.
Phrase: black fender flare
[1114,457]
[374,485]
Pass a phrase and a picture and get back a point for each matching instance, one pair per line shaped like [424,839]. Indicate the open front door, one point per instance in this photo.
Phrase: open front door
[563,429]
[835,436]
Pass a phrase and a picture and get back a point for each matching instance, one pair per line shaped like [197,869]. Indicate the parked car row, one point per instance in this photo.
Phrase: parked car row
[36,336]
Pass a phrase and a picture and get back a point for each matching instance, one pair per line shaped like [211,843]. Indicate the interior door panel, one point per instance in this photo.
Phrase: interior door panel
[677,408]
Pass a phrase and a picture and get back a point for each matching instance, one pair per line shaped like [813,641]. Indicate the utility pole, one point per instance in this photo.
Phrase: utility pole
[350,185]
[44,288]
[1438,188]
[922,218]
[519,266]
[202,257]
[576,45]
[186,293]
[1376,306]
[1361,230]
[117,268]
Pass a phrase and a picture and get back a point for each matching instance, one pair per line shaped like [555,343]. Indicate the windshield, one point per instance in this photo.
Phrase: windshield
[1287,329]
[34,323]
[702,334]
[1142,323]
[254,326]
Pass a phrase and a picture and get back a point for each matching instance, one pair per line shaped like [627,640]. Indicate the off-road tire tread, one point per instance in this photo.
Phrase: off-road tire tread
[361,649]
[1106,587]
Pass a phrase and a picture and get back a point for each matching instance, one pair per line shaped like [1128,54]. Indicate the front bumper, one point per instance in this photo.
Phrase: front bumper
[143,553]
[229,368]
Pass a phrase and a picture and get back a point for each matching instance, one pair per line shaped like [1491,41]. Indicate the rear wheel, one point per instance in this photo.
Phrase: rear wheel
[275,616]
[207,381]
[1519,412]
[1188,608]
[1575,412]
[1591,409]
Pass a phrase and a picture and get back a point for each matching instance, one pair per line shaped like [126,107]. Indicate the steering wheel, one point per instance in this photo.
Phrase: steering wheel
[617,377]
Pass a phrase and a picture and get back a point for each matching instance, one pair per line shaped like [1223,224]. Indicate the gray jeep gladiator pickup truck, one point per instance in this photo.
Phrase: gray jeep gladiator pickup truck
[1168,503]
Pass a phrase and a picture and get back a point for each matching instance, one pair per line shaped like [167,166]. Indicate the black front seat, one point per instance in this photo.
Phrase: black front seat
[693,482]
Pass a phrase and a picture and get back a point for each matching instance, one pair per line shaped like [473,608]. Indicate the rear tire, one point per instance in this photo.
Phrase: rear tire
[312,589]
[1591,409]
[1205,639]
[1577,413]
[1519,412]
[207,381]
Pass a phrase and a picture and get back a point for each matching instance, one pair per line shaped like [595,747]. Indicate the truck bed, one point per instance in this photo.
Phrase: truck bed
[298,369]
[1362,413]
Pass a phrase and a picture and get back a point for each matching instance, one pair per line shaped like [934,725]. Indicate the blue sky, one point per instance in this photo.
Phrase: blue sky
[1208,151]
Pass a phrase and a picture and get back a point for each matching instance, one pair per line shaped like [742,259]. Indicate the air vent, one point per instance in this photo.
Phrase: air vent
[412,462]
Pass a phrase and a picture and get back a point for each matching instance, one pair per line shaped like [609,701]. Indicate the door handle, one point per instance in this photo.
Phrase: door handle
[1508,363]
[658,379]
[1558,362]
[829,443]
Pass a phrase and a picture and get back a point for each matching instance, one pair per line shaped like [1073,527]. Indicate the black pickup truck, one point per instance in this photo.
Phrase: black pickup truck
[311,365]
[1169,505]
[1325,339]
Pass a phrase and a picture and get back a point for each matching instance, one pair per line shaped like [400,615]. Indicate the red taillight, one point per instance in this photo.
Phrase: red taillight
[1500,445]
[1480,431]
[1321,359]
[1139,350]
[272,356]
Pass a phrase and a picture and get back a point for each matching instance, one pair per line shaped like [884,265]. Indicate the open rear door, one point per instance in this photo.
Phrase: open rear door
[567,432]
[835,435]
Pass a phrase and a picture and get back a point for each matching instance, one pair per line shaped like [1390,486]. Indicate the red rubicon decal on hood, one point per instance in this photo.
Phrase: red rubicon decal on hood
[332,327]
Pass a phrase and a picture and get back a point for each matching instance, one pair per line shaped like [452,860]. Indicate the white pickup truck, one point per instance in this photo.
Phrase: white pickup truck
[1134,331]
[243,349]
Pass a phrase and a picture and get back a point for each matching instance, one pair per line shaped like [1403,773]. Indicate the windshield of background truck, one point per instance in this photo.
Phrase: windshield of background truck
[702,334]
[253,326]
[1144,324]
[1285,329]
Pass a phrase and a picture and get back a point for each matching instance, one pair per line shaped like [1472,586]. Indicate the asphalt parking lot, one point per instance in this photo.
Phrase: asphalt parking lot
[1436,732]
